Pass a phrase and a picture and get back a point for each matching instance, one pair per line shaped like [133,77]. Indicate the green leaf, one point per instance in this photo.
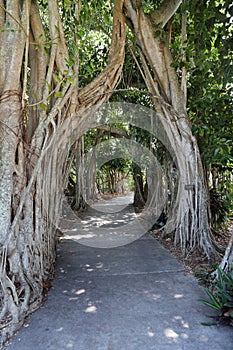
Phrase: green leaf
[67,4]
[201,132]
[59,94]
[70,80]
[213,299]
[207,303]
[220,277]
[70,63]
[41,38]
[48,86]
[7,25]
[43,106]
[57,78]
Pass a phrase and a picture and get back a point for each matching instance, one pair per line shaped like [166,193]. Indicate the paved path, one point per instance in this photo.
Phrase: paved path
[131,297]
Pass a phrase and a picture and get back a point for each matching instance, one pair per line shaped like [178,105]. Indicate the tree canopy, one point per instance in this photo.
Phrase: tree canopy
[61,61]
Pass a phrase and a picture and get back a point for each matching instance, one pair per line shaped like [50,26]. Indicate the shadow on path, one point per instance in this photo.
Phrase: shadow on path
[131,297]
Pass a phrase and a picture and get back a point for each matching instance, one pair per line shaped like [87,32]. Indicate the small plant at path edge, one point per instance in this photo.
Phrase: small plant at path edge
[221,299]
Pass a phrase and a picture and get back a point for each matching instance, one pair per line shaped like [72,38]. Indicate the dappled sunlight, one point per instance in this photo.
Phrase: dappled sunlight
[203,338]
[135,291]
[178,296]
[175,328]
[99,265]
[98,220]
[150,333]
[156,296]
[175,337]
[179,319]
[153,296]
[89,268]
[171,334]
[73,298]
[60,329]
[184,336]
[160,281]
[106,229]
[80,291]
[79,236]
[151,308]
[91,308]
[70,345]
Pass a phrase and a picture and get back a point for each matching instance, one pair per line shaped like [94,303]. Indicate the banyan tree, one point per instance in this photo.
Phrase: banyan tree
[44,111]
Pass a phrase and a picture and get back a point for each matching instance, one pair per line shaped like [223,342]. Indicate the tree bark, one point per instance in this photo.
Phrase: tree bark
[188,216]
[35,140]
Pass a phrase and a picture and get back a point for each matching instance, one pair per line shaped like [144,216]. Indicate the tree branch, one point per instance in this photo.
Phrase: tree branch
[57,29]
[109,78]
[157,54]
[165,11]
[3,9]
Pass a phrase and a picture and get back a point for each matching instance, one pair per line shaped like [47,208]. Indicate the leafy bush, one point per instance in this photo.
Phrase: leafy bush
[221,299]
[219,208]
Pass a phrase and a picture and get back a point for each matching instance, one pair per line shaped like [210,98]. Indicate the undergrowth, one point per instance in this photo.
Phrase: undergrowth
[220,298]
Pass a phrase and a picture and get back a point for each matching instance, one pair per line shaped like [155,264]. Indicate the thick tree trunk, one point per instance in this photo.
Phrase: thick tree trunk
[188,217]
[80,199]
[12,168]
[227,261]
[139,195]
[34,147]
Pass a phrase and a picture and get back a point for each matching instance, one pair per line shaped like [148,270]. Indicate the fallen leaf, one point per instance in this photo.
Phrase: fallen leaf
[228,313]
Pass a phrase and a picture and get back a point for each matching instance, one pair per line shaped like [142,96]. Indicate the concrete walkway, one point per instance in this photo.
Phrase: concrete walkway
[131,297]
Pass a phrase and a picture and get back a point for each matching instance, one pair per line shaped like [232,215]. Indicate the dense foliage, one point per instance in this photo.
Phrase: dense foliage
[208,60]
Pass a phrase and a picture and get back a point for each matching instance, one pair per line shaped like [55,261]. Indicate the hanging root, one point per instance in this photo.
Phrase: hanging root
[227,260]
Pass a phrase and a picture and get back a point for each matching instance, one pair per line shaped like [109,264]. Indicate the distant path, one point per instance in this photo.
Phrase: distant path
[106,223]
[132,297]
[119,201]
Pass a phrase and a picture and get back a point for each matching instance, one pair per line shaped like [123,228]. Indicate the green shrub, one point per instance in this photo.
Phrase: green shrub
[221,299]
[219,207]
